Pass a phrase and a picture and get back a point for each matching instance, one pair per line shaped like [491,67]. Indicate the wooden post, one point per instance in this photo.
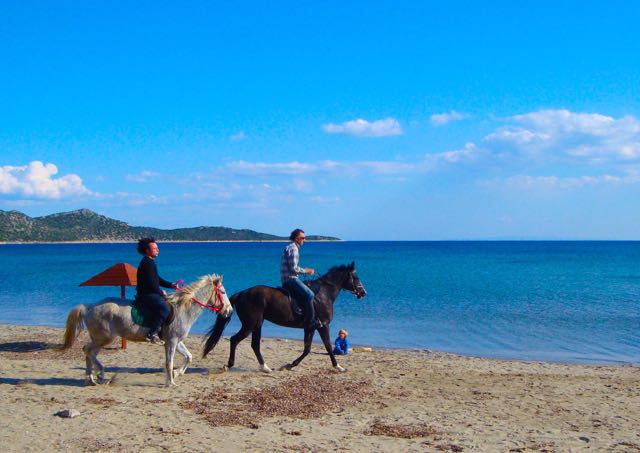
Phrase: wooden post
[120,274]
[122,296]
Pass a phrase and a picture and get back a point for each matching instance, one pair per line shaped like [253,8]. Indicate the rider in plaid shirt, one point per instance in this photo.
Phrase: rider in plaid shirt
[289,271]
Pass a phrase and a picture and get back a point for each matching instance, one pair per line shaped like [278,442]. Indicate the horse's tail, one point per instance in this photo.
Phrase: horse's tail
[75,323]
[216,331]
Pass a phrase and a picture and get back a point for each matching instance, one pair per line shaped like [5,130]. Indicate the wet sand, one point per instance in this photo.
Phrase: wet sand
[387,401]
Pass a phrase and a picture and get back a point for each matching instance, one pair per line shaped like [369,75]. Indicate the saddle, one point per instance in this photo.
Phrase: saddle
[296,306]
[142,318]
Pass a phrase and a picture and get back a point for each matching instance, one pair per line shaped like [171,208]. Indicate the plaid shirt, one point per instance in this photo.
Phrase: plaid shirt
[289,265]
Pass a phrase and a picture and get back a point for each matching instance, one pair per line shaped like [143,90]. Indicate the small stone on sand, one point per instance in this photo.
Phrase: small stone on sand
[68,413]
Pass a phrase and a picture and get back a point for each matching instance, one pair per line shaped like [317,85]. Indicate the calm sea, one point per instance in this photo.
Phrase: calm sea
[557,301]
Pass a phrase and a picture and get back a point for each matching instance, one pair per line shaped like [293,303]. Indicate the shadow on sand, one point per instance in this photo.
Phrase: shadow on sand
[142,370]
[27,346]
[43,381]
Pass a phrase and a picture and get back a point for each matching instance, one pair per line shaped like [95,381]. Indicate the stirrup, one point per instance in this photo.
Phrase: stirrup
[154,338]
[315,324]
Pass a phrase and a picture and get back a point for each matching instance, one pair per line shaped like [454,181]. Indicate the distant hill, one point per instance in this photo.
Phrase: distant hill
[86,225]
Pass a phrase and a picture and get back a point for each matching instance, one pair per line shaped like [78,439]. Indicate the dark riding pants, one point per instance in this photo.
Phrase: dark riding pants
[304,294]
[155,306]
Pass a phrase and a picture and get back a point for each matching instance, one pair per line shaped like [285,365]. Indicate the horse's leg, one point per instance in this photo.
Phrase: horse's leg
[256,335]
[326,339]
[234,340]
[170,351]
[96,350]
[88,379]
[308,338]
[182,349]
[91,351]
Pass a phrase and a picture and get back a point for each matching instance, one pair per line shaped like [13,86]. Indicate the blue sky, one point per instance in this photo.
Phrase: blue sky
[364,120]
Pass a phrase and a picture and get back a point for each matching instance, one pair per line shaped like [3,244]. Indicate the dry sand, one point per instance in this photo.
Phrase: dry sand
[395,401]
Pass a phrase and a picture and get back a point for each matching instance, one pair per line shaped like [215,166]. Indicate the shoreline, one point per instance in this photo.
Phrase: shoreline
[326,240]
[395,349]
[387,401]
[159,240]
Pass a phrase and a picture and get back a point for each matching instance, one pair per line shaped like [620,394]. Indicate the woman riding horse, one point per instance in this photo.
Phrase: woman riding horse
[149,297]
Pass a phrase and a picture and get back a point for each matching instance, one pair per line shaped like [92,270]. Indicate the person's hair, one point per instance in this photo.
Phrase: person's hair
[346,334]
[143,245]
[294,234]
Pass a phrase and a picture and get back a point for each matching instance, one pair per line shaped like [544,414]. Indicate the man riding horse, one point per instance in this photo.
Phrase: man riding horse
[289,271]
[149,296]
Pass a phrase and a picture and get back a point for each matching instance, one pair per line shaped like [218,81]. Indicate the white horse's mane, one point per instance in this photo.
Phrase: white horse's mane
[183,296]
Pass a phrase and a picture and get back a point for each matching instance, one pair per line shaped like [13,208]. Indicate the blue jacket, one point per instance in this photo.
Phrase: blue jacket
[342,346]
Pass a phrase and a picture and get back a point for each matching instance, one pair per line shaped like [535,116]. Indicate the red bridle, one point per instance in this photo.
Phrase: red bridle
[218,303]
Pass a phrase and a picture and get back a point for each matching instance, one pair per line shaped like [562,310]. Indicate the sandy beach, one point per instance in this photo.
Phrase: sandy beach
[388,400]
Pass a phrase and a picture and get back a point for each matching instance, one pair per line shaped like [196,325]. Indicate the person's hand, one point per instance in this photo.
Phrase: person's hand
[175,285]
[164,293]
[309,271]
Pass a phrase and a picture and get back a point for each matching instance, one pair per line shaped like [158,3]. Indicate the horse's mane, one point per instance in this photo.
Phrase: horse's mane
[341,268]
[183,296]
[333,270]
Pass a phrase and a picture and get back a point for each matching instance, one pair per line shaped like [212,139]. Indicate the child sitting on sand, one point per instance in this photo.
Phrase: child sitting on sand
[342,343]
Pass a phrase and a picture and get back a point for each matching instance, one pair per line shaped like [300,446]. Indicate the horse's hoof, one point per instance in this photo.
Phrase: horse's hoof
[90,382]
[224,369]
[265,369]
[287,367]
[339,369]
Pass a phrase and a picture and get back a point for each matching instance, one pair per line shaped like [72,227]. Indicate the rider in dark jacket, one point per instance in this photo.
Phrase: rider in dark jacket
[149,296]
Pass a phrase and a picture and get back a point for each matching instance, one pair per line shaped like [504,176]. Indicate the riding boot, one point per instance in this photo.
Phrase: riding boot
[154,338]
[310,320]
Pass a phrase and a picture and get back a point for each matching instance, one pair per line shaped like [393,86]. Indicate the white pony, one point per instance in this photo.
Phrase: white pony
[111,318]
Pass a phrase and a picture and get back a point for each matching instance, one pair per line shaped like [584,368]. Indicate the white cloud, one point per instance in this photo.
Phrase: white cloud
[565,121]
[327,166]
[578,137]
[238,137]
[440,119]
[36,180]
[243,167]
[384,167]
[326,200]
[364,128]
[526,182]
[469,153]
[143,176]
[527,153]
[302,185]
[519,137]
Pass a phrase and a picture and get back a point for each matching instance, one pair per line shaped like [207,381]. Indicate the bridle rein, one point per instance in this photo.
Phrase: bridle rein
[353,291]
[218,302]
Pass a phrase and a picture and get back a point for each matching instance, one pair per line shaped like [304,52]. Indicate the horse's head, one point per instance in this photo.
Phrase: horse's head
[206,292]
[219,300]
[352,282]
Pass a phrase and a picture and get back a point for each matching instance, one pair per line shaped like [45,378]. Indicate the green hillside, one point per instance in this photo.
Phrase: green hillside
[86,225]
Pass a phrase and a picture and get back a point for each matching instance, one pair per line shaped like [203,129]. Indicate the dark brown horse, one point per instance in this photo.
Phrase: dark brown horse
[255,304]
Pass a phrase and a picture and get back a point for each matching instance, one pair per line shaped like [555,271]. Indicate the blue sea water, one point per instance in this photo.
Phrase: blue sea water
[555,301]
